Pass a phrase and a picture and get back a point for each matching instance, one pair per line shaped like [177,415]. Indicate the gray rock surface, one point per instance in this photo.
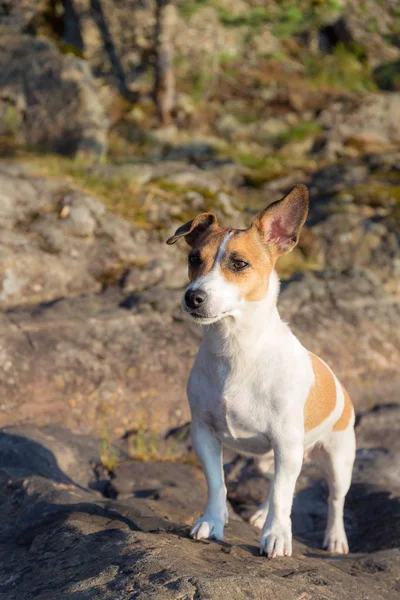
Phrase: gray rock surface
[92,335]
[368,122]
[48,100]
[62,538]
[55,241]
[17,16]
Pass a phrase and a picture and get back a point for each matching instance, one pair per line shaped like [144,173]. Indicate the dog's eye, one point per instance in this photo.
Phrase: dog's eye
[239,265]
[194,260]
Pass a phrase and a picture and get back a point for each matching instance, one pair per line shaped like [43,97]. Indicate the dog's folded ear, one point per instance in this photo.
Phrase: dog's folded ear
[280,223]
[192,229]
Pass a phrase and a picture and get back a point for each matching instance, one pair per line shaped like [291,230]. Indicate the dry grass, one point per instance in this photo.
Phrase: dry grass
[146,445]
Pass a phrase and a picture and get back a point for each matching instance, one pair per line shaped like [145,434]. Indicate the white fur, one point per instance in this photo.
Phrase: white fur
[247,390]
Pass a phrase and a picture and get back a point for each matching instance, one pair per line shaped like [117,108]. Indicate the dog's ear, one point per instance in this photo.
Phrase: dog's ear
[280,223]
[192,229]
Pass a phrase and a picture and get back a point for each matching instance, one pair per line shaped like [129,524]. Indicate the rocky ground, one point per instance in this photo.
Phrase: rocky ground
[99,484]
[70,531]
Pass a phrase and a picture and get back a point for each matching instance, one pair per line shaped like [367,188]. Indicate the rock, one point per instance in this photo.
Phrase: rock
[63,538]
[137,280]
[367,28]
[140,174]
[18,16]
[366,123]
[194,177]
[56,106]
[56,241]
[80,221]
[90,364]
[227,125]
[352,323]
[355,216]
[361,242]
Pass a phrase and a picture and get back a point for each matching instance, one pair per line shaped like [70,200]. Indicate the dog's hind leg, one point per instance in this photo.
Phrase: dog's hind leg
[266,466]
[336,457]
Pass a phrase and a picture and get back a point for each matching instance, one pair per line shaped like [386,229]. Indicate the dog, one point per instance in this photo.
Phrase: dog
[253,387]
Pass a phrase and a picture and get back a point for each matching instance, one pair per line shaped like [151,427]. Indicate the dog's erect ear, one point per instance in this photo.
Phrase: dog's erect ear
[280,223]
[192,229]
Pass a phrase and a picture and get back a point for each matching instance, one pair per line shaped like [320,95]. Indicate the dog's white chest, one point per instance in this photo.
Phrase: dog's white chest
[235,407]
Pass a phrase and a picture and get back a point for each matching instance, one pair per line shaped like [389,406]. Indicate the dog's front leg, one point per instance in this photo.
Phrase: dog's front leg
[209,451]
[276,539]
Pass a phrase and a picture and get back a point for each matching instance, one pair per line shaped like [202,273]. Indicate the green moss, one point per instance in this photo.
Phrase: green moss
[251,160]
[299,132]
[119,194]
[12,120]
[295,262]
[65,48]
[292,19]
[375,194]
[343,69]
[190,7]
[179,190]
[254,17]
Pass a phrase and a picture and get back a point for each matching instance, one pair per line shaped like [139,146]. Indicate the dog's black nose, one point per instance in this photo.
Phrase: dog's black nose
[194,298]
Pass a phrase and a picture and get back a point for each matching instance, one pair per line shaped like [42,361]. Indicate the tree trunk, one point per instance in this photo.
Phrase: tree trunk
[72,32]
[110,49]
[164,79]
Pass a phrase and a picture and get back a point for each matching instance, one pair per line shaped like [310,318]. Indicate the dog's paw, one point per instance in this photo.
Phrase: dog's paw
[276,540]
[209,526]
[258,519]
[335,541]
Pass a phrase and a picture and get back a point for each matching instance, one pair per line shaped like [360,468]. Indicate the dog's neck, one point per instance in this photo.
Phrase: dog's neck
[250,329]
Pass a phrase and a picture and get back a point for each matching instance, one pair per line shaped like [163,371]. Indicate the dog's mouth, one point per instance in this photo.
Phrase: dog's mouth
[206,320]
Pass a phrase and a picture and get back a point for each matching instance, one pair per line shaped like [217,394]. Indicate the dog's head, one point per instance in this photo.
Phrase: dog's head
[231,267]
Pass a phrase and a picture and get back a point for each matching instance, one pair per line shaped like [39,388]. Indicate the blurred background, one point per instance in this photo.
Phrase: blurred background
[119,121]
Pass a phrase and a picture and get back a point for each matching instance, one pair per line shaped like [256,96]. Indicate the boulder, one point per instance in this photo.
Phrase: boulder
[49,100]
[56,241]
[66,534]
[367,29]
[97,366]
[368,123]
[18,16]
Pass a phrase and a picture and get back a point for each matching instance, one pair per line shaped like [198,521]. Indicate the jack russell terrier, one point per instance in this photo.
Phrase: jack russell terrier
[253,386]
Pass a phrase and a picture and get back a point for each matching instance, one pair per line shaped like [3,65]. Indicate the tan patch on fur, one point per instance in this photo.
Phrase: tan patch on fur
[252,281]
[344,419]
[321,400]
[208,245]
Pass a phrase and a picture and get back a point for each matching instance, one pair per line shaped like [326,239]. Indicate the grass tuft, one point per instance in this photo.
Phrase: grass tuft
[109,454]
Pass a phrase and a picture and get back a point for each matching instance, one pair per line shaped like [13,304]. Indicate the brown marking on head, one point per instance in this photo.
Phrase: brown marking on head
[204,235]
[252,280]
[193,230]
[321,400]
[204,252]
[344,418]
[273,232]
